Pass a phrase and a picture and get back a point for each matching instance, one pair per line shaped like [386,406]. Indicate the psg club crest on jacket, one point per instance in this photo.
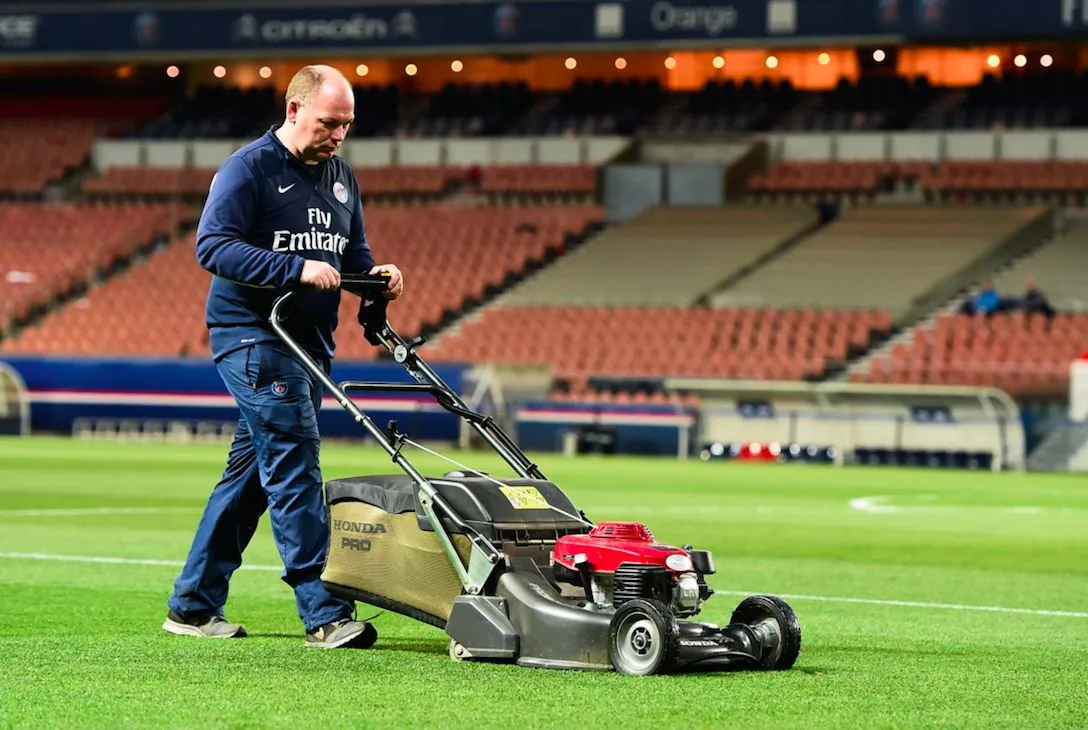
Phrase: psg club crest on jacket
[279,387]
[340,192]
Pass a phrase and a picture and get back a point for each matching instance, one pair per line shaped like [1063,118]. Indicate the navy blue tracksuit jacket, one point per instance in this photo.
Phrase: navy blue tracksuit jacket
[266,213]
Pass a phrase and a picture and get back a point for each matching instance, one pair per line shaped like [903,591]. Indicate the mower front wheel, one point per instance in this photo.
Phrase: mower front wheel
[643,638]
[457,652]
[776,625]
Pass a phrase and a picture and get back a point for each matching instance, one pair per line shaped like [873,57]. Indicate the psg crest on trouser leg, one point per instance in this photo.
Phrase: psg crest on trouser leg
[509,567]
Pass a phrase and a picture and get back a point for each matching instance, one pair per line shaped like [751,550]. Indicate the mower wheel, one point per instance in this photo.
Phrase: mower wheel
[457,652]
[643,638]
[777,626]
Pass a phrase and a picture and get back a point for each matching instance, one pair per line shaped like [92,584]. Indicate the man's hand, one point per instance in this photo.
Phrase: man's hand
[320,275]
[396,280]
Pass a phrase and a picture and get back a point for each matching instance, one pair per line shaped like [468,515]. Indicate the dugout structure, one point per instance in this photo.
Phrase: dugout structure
[861,416]
[14,403]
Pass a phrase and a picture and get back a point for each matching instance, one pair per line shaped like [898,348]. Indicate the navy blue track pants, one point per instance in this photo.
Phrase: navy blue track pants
[272,465]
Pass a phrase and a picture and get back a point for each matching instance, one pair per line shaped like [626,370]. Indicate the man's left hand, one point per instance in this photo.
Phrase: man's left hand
[396,280]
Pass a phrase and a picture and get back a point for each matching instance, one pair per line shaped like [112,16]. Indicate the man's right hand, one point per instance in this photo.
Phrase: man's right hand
[320,275]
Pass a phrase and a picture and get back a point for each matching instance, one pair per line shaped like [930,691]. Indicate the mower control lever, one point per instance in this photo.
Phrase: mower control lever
[363,285]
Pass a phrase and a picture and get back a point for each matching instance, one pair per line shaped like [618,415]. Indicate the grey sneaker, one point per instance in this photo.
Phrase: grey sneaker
[205,627]
[343,634]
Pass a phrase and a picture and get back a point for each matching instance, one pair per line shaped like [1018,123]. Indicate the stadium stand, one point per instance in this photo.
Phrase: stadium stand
[805,181]
[457,257]
[591,107]
[1023,100]
[986,181]
[655,341]
[668,255]
[724,107]
[879,102]
[1058,268]
[887,258]
[422,182]
[149,182]
[636,106]
[957,181]
[60,145]
[1025,355]
[621,306]
[65,128]
[155,307]
[219,112]
[459,110]
[48,249]
[851,279]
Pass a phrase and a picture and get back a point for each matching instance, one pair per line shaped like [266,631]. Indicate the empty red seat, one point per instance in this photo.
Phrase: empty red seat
[576,342]
[1022,354]
[450,255]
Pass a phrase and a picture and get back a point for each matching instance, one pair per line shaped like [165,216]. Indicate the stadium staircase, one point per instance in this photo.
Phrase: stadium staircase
[624,307]
[1005,351]
[924,320]
[1065,448]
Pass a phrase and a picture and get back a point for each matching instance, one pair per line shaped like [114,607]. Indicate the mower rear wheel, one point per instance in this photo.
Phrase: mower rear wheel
[643,638]
[777,627]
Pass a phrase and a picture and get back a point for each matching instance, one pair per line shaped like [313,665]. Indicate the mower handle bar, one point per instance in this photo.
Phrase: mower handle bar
[378,331]
[363,285]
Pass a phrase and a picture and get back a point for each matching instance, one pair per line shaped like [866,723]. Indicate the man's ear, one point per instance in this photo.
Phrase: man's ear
[292,111]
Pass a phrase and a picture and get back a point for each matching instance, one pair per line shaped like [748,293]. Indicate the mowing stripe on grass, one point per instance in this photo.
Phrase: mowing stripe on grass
[82,511]
[115,561]
[791,596]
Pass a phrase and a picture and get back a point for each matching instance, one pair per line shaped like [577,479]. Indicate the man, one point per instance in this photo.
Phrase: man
[987,301]
[282,212]
[1035,301]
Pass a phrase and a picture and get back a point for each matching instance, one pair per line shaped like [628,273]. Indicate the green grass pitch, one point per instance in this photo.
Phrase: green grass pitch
[926,599]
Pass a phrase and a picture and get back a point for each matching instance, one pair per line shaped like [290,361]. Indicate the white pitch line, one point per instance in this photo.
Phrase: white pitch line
[879,505]
[919,604]
[792,596]
[83,511]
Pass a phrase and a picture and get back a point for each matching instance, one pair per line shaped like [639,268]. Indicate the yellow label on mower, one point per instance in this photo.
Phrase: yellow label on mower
[525,497]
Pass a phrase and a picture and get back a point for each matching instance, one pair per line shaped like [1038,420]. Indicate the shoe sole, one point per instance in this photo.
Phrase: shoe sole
[173,627]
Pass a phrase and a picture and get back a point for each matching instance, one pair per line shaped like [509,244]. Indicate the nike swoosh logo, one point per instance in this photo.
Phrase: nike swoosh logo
[284,190]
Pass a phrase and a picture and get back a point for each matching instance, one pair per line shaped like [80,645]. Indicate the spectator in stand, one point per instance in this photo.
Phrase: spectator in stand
[987,301]
[1034,300]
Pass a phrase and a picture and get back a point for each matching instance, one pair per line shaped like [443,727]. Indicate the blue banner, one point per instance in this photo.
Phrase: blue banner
[483,25]
[63,390]
[203,31]
[1008,20]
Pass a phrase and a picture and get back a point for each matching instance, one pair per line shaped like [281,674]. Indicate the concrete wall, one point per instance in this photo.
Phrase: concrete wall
[1059,144]
[375,152]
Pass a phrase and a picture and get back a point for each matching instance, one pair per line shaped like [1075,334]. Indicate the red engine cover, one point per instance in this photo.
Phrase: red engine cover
[610,544]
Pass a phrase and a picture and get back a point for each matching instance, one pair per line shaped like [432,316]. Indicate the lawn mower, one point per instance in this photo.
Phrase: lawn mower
[510,568]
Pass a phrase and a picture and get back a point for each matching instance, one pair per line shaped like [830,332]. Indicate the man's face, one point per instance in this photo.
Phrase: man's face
[322,124]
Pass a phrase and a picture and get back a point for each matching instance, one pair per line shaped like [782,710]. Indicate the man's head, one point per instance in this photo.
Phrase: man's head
[320,109]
